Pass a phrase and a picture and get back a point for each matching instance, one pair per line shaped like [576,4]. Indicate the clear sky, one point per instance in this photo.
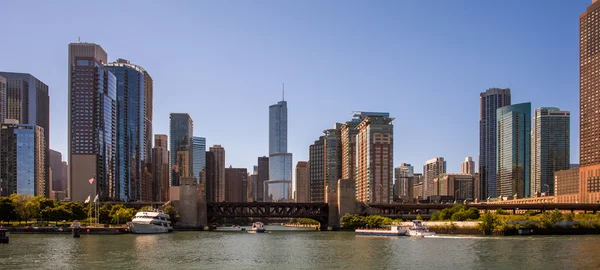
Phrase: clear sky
[223,62]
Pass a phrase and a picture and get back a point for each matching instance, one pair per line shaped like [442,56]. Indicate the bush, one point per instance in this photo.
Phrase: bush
[488,223]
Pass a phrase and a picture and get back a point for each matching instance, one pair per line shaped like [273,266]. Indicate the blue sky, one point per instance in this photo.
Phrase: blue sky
[223,62]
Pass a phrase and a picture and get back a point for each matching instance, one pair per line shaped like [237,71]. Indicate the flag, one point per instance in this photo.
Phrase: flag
[96,199]
[87,200]
[91,180]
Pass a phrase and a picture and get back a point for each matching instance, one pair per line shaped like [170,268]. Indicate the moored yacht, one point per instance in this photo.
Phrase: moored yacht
[419,230]
[393,231]
[151,221]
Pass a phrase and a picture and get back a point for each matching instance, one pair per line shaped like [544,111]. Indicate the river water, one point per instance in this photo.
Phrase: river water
[285,248]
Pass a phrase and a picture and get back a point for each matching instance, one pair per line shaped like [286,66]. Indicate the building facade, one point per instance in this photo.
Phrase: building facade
[431,170]
[58,172]
[92,124]
[160,171]
[467,166]
[3,100]
[489,102]
[550,147]
[566,182]
[348,133]
[333,156]
[182,128]
[22,159]
[28,101]
[403,182]
[199,145]
[459,186]
[374,158]
[316,165]
[263,175]
[514,150]
[218,185]
[236,184]
[302,182]
[279,185]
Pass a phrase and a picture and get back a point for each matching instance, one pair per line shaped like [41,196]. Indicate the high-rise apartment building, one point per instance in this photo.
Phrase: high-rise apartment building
[133,83]
[58,172]
[302,182]
[467,166]
[210,185]
[550,147]
[514,150]
[489,102]
[263,175]
[459,186]
[333,156]
[589,104]
[252,185]
[199,145]
[28,101]
[403,182]
[22,156]
[316,165]
[218,159]
[348,133]
[160,171]
[3,100]
[432,169]
[236,184]
[182,128]
[92,124]
[279,185]
[374,158]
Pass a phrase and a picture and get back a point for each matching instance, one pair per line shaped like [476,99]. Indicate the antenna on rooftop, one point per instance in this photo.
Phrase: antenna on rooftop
[78,39]
[282,91]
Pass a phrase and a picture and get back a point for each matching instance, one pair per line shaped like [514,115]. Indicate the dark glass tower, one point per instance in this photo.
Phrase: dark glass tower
[514,150]
[279,185]
[182,128]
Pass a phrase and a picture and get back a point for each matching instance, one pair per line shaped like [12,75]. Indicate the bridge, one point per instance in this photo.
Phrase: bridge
[316,211]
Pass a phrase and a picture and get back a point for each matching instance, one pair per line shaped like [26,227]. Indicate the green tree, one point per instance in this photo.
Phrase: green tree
[7,209]
[172,212]
[488,222]
[353,221]
[19,201]
[78,210]
[435,216]
[146,208]
[419,217]
[123,215]
[104,213]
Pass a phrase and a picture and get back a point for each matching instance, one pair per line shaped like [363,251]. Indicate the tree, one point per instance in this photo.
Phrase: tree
[419,217]
[123,215]
[19,202]
[146,208]
[170,210]
[104,213]
[78,211]
[488,223]
[7,209]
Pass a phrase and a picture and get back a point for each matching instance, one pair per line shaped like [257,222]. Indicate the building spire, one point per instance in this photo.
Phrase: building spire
[282,91]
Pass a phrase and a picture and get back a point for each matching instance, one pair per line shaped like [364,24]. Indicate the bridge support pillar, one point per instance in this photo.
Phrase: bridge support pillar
[189,200]
[333,220]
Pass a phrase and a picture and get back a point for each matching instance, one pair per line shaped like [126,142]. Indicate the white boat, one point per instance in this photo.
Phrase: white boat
[419,230]
[258,227]
[150,222]
[393,231]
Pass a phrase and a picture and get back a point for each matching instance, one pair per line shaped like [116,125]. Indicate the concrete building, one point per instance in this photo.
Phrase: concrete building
[302,182]
[279,185]
[92,124]
[199,145]
[316,165]
[160,171]
[22,159]
[58,172]
[333,156]
[374,158]
[467,166]
[3,100]
[211,177]
[489,102]
[218,185]
[432,169]
[28,102]
[263,175]
[418,190]
[566,182]
[403,183]
[252,179]
[348,133]
[236,184]
[132,156]
[181,134]
[459,186]
[550,147]
[514,150]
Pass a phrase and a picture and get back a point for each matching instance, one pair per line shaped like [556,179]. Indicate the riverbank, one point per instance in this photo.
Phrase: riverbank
[66,230]
[297,225]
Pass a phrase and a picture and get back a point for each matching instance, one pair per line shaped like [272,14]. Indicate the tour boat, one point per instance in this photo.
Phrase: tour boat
[419,230]
[258,227]
[393,231]
[149,222]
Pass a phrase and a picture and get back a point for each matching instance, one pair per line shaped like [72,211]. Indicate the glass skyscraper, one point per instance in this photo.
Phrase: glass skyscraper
[199,147]
[131,137]
[489,102]
[21,159]
[182,128]
[550,150]
[279,185]
[514,150]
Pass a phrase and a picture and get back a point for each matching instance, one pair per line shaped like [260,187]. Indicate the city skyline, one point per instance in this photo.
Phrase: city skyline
[50,70]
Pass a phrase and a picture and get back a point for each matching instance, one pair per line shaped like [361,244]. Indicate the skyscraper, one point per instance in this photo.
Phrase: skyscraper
[374,158]
[219,172]
[92,124]
[236,184]
[550,149]
[22,155]
[263,175]
[199,145]
[182,128]
[279,185]
[589,104]
[316,165]
[348,133]
[403,182]
[160,170]
[489,102]
[333,156]
[58,172]
[432,169]
[514,150]
[133,83]
[210,186]
[28,101]
[467,166]
[3,100]
[302,182]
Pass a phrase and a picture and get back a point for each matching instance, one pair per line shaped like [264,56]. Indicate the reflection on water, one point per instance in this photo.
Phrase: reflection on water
[296,249]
